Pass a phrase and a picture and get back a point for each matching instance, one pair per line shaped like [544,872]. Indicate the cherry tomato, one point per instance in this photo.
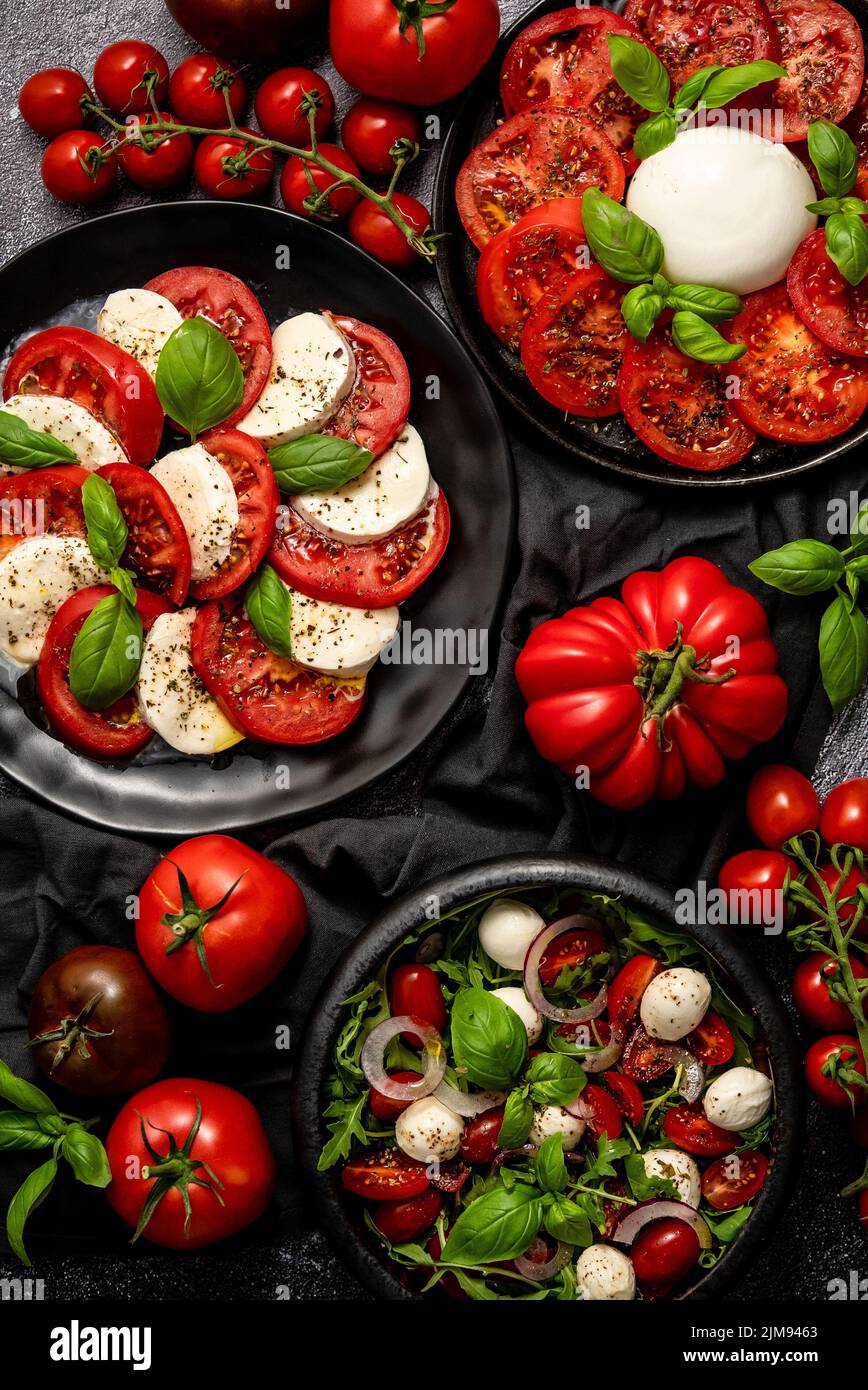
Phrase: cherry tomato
[844,817]
[627,988]
[377,234]
[756,871]
[731,1181]
[645,1058]
[403,1221]
[387,1107]
[76,168]
[712,1042]
[628,1097]
[244,912]
[781,803]
[811,992]
[278,106]
[295,186]
[481,1138]
[415,989]
[198,89]
[384,1175]
[846,892]
[370,129]
[604,1113]
[229,166]
[567,951]
[689,1127]
[127,74]
[51,101]
[664,1253]
[157,160]
[837,1051]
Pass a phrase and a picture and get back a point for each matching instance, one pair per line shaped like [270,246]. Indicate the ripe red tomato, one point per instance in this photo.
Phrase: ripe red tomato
[370,129]
[278,106]
[229,166]
[403,1221]
[156,160]
[645,1058]
[731,1181]
[481,1138]
[158,547]
[245,915]
[415,989]
[712,1042]
[838,1050]
[573,344]
[627,988]
[755,870]
[77,168]
[51,101]
[376,233]
[384,50]
[844,817]
[567,951]
[781,803]
[605,1115]
[198,90]
[387,1107]
[811,992]
[528,265]
[846,892]
[127,74]
[295,186]
[832,308]
[384,1175]
[223,1161]
[628,1097]
[823,55]
[663,1253]
[689,1127]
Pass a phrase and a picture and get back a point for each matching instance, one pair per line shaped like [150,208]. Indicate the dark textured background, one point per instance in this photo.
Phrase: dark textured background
[474,789]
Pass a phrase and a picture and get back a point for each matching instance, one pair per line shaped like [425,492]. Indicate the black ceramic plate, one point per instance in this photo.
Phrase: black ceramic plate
[610,442]
[65,279]
[339,1213]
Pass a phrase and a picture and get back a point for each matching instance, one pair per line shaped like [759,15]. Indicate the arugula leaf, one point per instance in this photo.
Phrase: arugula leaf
[23,447]
[725,1226]
[608,1152]
[344,1124]
[643,1185]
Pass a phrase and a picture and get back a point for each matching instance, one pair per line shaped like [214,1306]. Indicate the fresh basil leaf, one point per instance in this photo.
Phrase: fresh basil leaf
[106,529]
[23,1095]
[555,1079]
[23,447]
[843,651]
[317,463]
[499,1225]
[106,654]
[517,1120]
[859,529]
[19,1130]
[690,93]
[835,157]
[858,567]
[826,206]
[199,378]
[626,247]
[86,1156]
[489,1039]
[550,1166]
[124,582]
[857,205]
[715,306]
[640,310]
[701,341]
[847,245]
[730,83]
[800,567]
[32,1192]
[565,1220]
[269,608]
[655,134]
[639,72]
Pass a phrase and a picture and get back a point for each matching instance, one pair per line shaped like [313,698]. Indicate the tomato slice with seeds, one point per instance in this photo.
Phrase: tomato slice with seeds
[834,310]
[604,1114]
[692,34]
[157,545]
[712,1042]
[267,696]
[574,342]
[253,479]
[374,575]
[628,1097]
[567,951]
[547,152]
[689,1127]
[376,410]
[627,988]
[824,58]
[386,1175]
[732,1181]
[226,302]
[792,387]
[109,734]
[644,1058]
[45,502]
[679,407]
[541,252]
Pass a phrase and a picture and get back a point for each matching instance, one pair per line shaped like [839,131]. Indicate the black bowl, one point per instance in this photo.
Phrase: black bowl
[337,1213]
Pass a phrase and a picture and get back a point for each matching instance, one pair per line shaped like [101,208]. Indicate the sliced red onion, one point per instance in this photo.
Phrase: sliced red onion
[659,1209]
[601,1058]
[468,1103]
[374,1058]
[580,1110]
[693,1078]
[540,1272]
[533,985]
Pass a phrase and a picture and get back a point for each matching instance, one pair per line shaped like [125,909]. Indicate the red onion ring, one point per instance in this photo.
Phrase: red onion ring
[533,985]
[601,1058]
[540,1272]
[467,1103]
[373,1060]
[659,1209]
[580,1110]
[693,1079]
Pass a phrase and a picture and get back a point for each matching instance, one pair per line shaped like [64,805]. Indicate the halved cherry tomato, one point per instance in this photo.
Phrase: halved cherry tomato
[568,950]
[844,817]
[781,803]
[605,1116]
[157,545]
[481,1138]
[645,1058]
[711,1042]
[376,410]
[688,36]
[403,1221]
[689,1127]
[763,870]
[811,992]
[252,477]
[838,1051]
[573,345]
[822,52]
[44,502]
[628,1097]
[664,1253]
[627,988]
[451,1176]
[835,310]
[415,989]
[385,1175]
[537,155]
[386,1107]
[541,252]
[731,1181]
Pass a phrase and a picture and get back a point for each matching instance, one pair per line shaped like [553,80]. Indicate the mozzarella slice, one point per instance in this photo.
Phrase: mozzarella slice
[36,577]
[140,322]
[173,700]
[69,422]
[389,493]
[202,491]
[312,370]
[336,640]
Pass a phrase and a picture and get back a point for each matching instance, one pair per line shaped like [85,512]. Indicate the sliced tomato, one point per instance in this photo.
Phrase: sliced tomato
[792,387]
[574,342]
[45,502]
[385,1175]
[109,734]
[157,545]
[856,126]
[81,367]
[645,1058]
[679,407]
[376,410]
[569,950]
[834,310]
[547,152]
[376,574]
[822,52]
[541,252]
[604,1114]
[627,988]
[628,1097]
[692,34]
[712,1042]
[227,302]
[253,479]
[689,1127]
[270,698]
[734,1180]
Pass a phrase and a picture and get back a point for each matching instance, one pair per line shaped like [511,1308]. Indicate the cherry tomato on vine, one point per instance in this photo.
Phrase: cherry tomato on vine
[295,184]
[846,891]
[415,989]
[248,170]
[77,169]
[376,233]
[370,129]
[481,1138]
[811,991]
[664,1253]
[838,1051]
[198,88]
[127,74]
[844,817]
[51,101]
[278,106]
[781,803]
[155,161]
[763,869]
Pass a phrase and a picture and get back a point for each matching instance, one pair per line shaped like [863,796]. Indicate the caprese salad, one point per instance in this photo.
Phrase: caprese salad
[549,1095]
[240,583]
[647,213]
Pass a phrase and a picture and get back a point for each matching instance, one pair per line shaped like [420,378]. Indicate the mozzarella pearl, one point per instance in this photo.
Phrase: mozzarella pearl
[675,1002]
[605,1274]
[553,1119]
[738,1099]
[506,930]
[428,1131]
[678,1168]
[516,999]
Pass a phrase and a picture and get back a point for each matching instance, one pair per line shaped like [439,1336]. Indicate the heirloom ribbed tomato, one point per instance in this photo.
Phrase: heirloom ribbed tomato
[654,692]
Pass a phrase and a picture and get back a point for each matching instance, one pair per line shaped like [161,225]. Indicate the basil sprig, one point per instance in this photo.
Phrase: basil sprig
[317,463]
[696,338]
[23,447]
[107,532]
[107,653]
[489,1040]
[269,608]
[836,160]
[199,378]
